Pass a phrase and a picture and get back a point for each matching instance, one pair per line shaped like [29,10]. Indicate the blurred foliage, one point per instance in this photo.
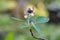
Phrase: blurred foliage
[4,19]
[25,35]
[4,5]
[10,36]
[11,25]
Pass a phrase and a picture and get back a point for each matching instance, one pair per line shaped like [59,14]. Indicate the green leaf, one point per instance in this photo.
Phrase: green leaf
[38,29]
[41,19]
[10,36]
[24,25]
[17,19]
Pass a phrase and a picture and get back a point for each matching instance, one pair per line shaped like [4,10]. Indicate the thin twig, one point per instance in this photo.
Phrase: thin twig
[32,34]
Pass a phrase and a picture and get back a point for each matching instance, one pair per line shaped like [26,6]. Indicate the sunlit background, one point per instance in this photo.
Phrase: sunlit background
[11,29]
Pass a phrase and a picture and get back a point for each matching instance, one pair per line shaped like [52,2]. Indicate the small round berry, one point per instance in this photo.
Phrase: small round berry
[30,11]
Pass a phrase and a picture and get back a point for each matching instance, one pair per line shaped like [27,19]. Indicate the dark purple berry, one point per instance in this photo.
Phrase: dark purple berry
[29,10]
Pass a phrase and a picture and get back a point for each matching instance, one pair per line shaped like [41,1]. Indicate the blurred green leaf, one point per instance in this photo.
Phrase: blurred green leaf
[41,19]
[10,36]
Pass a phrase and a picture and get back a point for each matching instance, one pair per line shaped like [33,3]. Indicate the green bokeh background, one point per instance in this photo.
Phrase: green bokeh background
[14,31]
